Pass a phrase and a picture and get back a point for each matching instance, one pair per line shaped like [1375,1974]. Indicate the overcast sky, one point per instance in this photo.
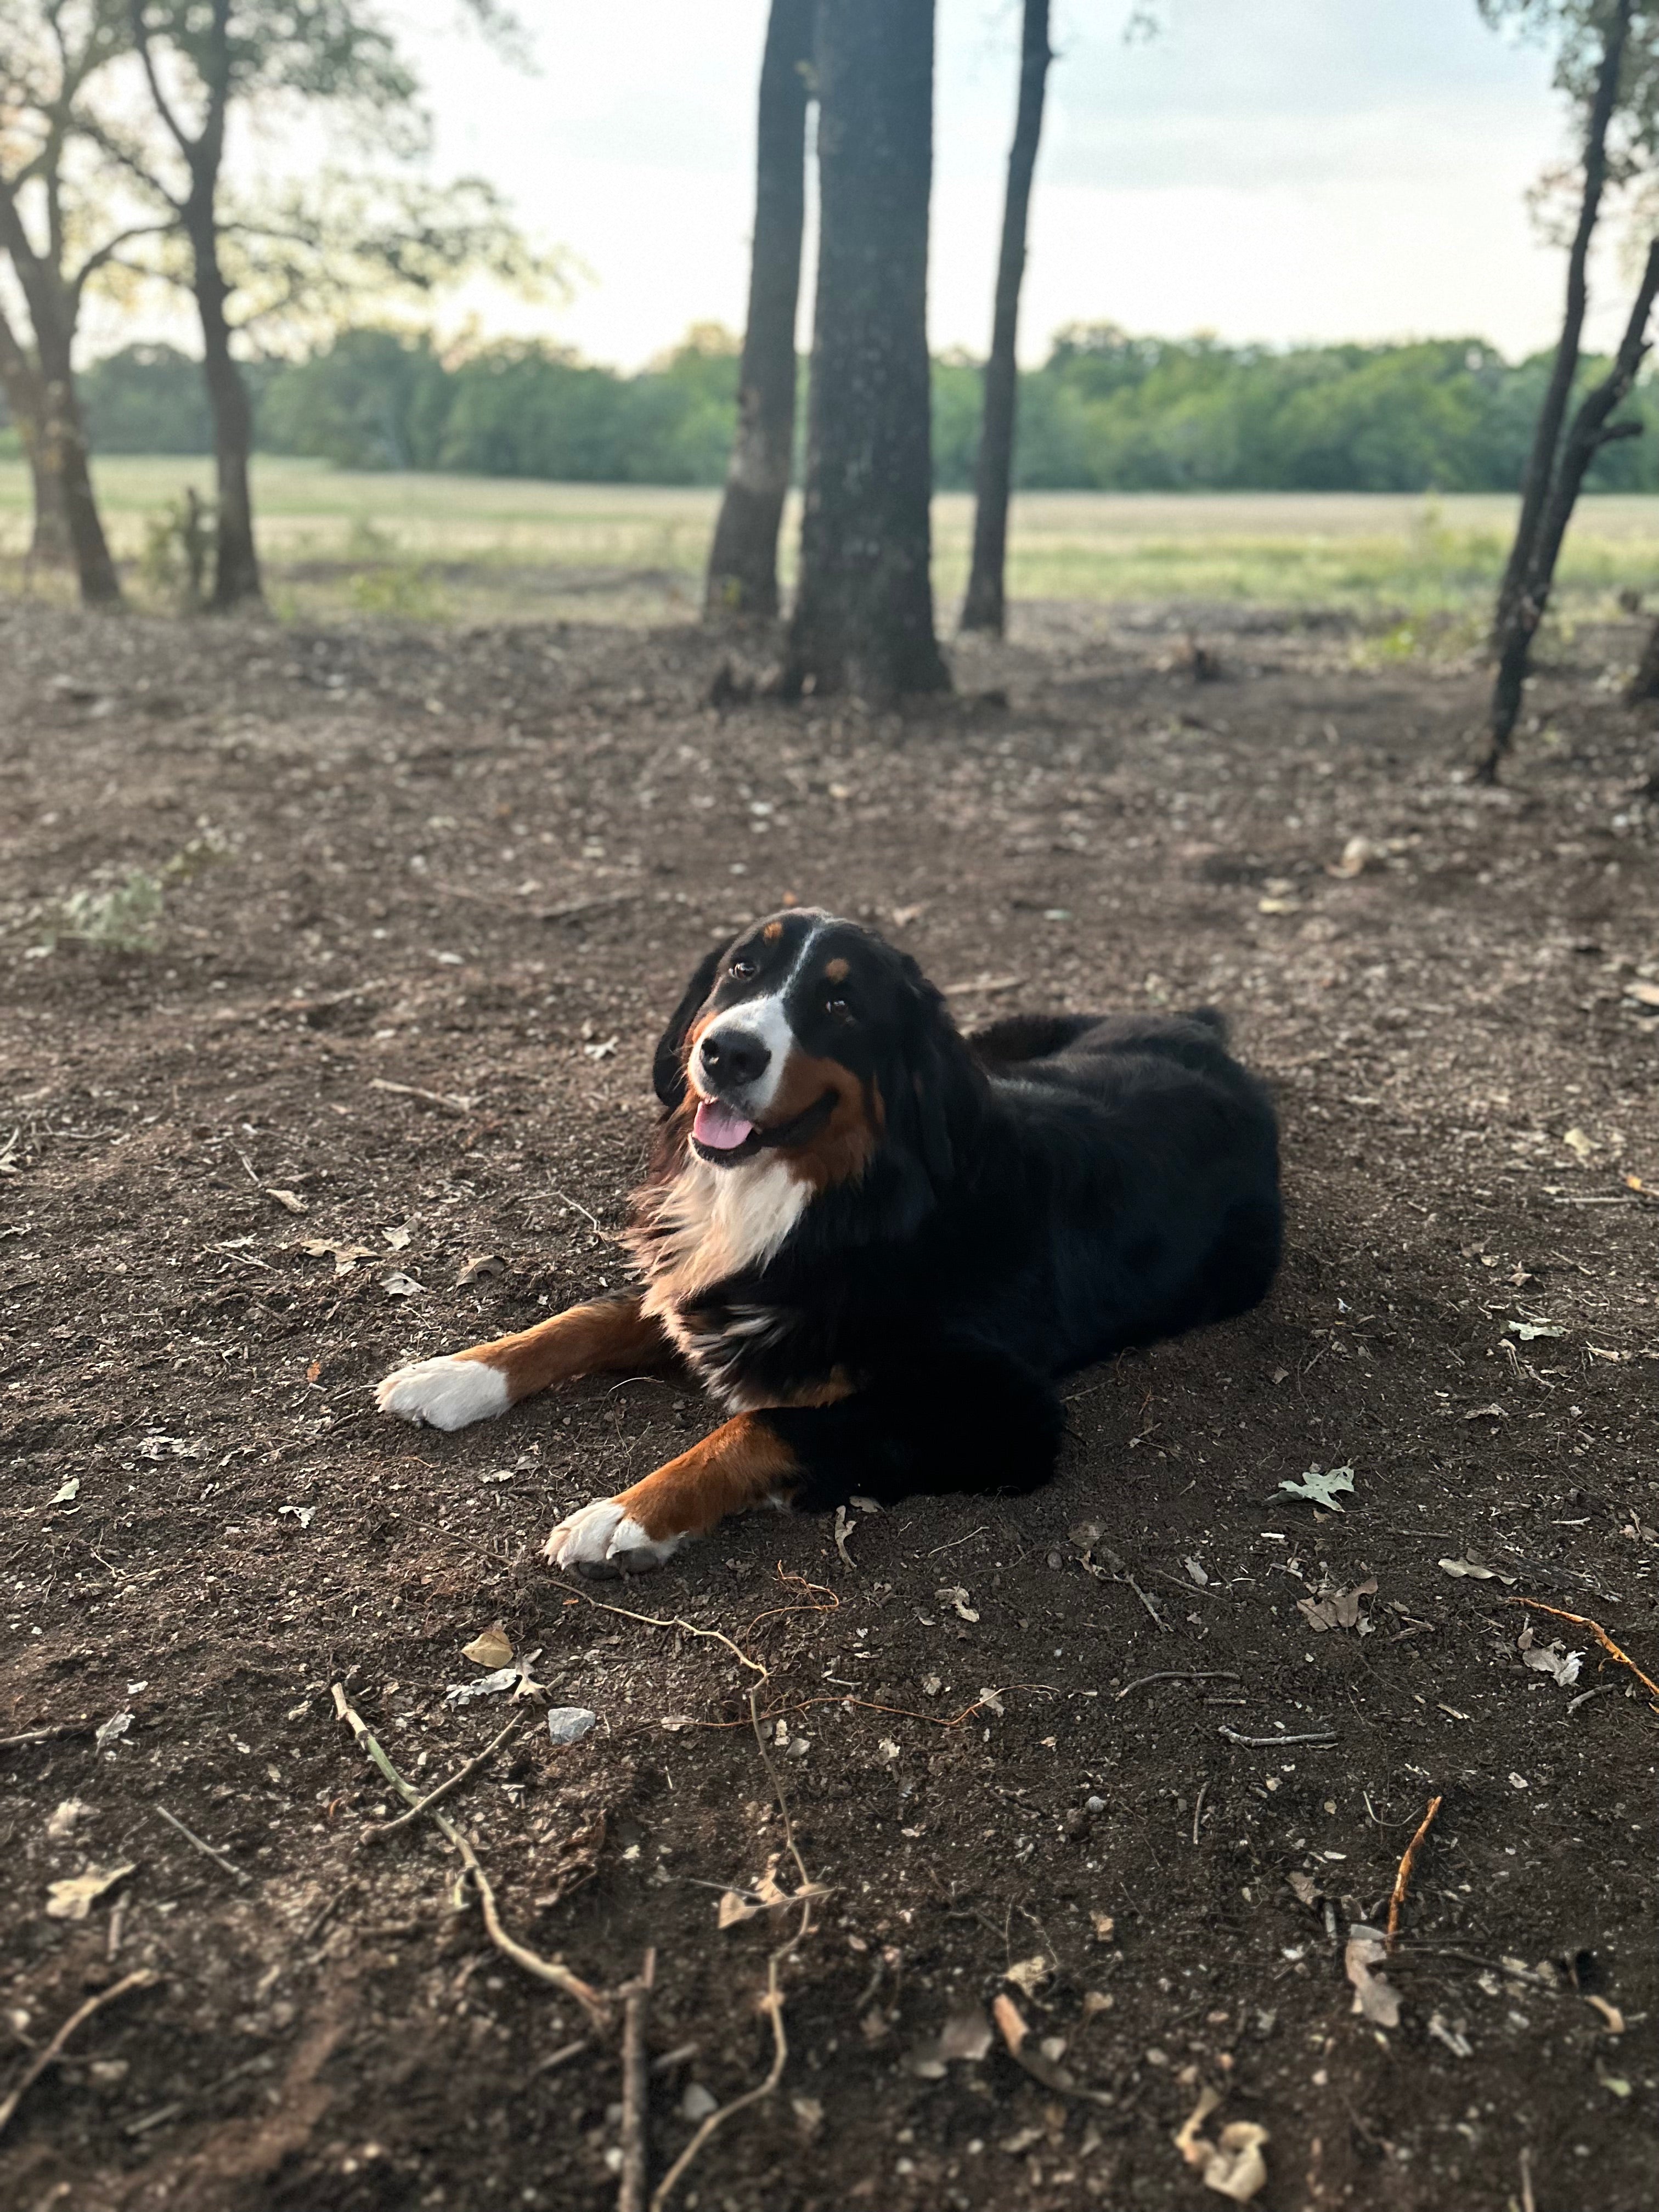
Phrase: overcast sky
[1267,169]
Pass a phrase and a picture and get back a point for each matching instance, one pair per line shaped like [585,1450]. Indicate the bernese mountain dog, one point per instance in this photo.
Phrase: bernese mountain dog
[877,1243]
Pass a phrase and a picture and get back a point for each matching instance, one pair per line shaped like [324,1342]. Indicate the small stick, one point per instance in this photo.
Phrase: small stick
[1198,1808]
[1159,1621]
[1267,1742]
[1177,1674]
[206,1850]
[403,1821]
[45,1734]
[772,2005]
[690,1627]
[456,1104]
[1601,1635]
[1529,2202]
[1016,2035]
[572,908]
[545,1969]
[1407,1859]
[636,2138]
[143,1978]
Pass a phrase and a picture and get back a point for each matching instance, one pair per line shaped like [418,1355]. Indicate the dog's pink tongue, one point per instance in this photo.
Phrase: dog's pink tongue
[718,1127]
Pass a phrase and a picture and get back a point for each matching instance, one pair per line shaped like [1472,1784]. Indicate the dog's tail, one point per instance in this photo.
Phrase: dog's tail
[1018,1038]
[1210,1019]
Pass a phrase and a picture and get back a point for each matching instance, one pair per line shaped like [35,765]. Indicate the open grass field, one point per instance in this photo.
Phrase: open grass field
[471,548]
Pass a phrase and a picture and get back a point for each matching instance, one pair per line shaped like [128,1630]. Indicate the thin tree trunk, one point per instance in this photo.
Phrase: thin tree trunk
[742,563]
[1590,431]
[1644,685]
[48,544]
[236,567]
[984,607]
[864,614]
[1540,464]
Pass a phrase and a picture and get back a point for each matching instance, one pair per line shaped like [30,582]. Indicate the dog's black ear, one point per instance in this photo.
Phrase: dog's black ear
[946,1087]
[668,1066]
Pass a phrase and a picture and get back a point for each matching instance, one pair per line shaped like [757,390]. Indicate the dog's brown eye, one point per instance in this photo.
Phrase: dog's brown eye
[742,969]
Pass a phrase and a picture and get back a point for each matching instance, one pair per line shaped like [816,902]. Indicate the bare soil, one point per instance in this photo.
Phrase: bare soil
[460,878]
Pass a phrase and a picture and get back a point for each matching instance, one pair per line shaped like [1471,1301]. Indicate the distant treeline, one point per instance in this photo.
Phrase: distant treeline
[1106,412]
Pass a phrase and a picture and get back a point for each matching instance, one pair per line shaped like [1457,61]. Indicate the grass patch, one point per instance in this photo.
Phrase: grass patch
[424,547]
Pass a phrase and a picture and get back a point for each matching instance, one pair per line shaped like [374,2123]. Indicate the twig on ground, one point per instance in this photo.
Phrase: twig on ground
[690,1627]
[559,2057]
[449,1104]
[637,2089]
[1198,1808]
[772,2003]
[1267,1742]
[1159,1621]
[46,1734]
[1181,1674]
[1529,2202]
[1579,1620]
[553,1970]
[1407,1859]
[206,1849]
[143,1978]
[443,1790]
[1191,1588]
[573,908]
[592,1218]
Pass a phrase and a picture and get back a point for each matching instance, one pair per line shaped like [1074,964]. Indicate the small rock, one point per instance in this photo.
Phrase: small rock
[696,2104]
[571,1723]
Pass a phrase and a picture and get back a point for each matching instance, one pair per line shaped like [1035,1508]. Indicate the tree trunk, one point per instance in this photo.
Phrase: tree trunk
[1590,431]
[236,566]
[983,608]
[49,545]
[1540,463]
[864,614]
[742,563]
[1644,685]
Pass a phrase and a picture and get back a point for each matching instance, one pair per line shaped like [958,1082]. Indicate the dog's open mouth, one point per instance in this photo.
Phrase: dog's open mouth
[720,1132]
[722,1135]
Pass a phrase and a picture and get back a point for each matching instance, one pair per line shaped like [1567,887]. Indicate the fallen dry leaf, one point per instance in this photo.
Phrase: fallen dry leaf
[400,1286]
[1029,1974]
[957,1598]
[1357,855]
[1340,1609]
[344,1257]
[397,1239]
[1233,2164]
[1373,1994]
[478,1267]
[287,1200]
[489,1647]
[1320,1488]
[74,1900]
[1576,1141]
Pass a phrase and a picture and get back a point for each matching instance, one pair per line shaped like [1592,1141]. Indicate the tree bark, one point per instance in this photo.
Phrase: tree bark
[1644,685]
[52,430]
[1590,431]
[1540,463]
[742,563]
[48,544]
[236,565]
[984,606]
[864,614]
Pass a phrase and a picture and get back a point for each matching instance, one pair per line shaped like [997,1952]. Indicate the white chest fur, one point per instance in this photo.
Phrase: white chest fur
[709,1225]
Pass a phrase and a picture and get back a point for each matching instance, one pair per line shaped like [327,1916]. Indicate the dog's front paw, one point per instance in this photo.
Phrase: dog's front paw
[444,1394]
[600,1541]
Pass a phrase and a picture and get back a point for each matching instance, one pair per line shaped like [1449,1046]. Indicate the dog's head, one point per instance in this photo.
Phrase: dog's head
[812,1037]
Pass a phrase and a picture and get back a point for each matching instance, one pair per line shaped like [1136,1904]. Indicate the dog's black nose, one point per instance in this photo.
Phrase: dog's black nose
[733,1057]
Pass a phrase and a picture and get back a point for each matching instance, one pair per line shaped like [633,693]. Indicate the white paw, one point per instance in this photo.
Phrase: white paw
[444,1394]
[601,1539]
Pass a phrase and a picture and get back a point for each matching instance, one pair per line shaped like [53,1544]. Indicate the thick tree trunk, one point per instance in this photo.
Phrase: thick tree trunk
[1590,431]
[1540,464]
[864,614]
[48,544]
[983,608]
[236,567]
[51,415]
[742,564]
[64,459]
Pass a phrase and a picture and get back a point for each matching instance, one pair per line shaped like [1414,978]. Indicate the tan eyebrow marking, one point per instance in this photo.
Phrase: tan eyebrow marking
[836,971]
[772,931]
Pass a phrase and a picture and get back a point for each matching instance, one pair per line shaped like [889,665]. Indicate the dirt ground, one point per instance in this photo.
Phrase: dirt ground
[404,1002]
